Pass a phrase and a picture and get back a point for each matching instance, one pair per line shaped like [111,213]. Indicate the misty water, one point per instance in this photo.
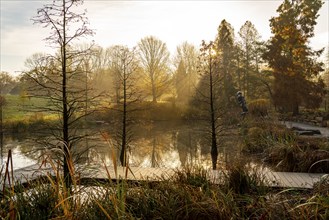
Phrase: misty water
[156,145]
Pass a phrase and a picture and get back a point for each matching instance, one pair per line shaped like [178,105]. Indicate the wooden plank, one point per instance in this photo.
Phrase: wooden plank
[304,180]
[296,180]
[273,179]
[287,180]
[133,173]
[284,181]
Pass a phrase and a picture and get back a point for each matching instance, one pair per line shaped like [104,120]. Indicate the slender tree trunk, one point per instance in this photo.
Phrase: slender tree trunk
[239,74]
[153,158]
[86,111]
[66,142]
[214,150]
[154,95]
[123,157]
[117,94]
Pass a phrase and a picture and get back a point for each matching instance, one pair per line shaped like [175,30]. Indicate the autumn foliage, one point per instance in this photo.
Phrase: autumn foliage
[294,64]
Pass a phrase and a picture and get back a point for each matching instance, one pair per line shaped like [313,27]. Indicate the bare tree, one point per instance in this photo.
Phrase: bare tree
[186,61]
[154,57]
[208,95]
[115,69]
[100,64]
[60,81]
[126,68]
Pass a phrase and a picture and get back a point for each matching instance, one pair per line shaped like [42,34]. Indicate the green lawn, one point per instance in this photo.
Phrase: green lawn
[18,108]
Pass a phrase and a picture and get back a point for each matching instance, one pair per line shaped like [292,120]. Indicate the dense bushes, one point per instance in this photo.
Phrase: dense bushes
[259,107]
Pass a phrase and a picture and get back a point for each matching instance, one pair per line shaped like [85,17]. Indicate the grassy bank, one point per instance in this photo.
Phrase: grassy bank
[282,149]
[21,113]
[18,108]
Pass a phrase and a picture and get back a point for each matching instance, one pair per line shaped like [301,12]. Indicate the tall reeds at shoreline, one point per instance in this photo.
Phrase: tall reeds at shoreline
[189,194]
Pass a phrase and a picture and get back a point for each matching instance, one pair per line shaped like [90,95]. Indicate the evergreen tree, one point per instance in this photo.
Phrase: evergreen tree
[249,44]
[294,64]
[180,82]
[225,52]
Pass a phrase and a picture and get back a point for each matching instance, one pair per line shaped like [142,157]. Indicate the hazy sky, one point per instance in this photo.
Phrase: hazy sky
[126,22]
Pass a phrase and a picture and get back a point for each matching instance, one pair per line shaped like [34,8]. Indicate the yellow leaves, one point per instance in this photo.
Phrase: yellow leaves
[298,52]
[290,72]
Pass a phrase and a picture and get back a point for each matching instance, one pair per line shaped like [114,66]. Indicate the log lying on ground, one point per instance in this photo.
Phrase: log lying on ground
[303,131]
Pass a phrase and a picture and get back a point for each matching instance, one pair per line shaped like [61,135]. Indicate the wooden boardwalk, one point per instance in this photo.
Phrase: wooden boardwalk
[272,179]
[292,180]
[131,173]
[281,179]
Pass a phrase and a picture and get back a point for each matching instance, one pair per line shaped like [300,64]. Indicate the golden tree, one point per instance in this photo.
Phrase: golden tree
[294,63]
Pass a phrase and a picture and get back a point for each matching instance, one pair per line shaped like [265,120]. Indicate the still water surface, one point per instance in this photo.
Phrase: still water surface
[160,145]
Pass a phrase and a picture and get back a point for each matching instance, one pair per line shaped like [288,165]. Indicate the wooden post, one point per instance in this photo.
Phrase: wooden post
[7,174]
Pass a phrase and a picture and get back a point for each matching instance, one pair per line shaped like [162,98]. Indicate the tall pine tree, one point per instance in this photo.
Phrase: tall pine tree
[249,45]
[294,64]
[225,52]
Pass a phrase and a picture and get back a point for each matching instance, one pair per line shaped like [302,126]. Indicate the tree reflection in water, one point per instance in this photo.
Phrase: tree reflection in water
[155,146]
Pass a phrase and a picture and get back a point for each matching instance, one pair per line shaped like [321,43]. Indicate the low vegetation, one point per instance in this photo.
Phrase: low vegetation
[284,150]
[189,194]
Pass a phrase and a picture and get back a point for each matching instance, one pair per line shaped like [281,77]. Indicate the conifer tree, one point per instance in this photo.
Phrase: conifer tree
[249,44]
[225,52]
[294,64]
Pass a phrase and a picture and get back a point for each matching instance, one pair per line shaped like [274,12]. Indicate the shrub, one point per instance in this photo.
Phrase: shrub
[38,203]
[243,178]
[193,176]
[322,186]
[259,107]
[264,134]
[255,141]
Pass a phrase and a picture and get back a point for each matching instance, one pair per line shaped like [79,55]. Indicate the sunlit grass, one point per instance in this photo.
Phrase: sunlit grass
[19,108]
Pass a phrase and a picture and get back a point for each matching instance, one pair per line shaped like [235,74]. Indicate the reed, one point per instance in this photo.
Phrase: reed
[189,194]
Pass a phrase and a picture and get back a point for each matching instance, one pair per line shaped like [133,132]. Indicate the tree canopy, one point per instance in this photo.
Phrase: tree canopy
[225,52]
[294,63]
[154,57]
